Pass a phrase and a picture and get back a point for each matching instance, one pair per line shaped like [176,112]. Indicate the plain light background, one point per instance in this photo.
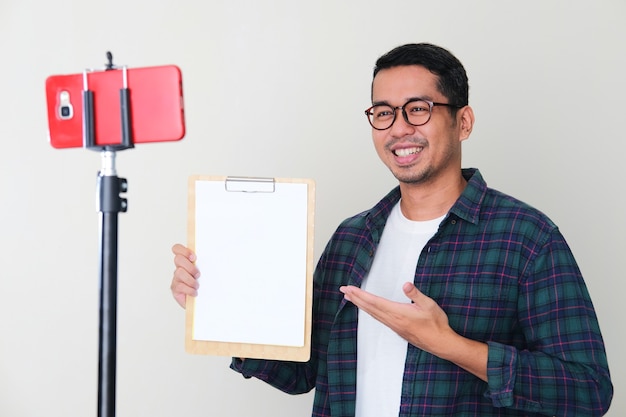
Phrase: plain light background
[277,88]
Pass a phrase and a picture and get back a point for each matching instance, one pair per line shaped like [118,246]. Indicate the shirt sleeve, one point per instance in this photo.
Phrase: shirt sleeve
[563,368]
[289,377]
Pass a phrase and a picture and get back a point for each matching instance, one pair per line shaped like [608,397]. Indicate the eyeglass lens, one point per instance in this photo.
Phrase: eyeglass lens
[415,112]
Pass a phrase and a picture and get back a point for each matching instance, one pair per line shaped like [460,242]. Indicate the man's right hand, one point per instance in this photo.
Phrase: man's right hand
[186,274]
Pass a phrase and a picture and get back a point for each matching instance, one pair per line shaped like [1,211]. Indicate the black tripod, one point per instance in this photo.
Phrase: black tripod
[109,205]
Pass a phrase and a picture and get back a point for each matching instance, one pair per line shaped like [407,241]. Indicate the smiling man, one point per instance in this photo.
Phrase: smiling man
[447,298]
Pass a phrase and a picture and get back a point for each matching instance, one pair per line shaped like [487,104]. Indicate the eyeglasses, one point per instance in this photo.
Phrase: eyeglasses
[416,112]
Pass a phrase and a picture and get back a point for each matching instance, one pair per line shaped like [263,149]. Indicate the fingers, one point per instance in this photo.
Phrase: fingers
[184,251]
[185,280]
[360,298]
[184,258]
[377,306]
[347,291]
[183,284]
[350,291]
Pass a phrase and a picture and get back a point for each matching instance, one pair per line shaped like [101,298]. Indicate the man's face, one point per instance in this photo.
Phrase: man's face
[417,154]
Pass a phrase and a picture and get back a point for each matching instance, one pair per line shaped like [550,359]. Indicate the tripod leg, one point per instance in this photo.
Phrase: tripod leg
[110,204]
[108,315]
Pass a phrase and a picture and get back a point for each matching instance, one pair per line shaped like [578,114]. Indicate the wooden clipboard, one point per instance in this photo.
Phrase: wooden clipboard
[253,238]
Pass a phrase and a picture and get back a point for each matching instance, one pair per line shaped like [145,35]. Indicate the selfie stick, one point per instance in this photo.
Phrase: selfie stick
[109,205]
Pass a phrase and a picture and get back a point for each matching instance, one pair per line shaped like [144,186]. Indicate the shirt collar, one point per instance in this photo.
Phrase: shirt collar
[467,207]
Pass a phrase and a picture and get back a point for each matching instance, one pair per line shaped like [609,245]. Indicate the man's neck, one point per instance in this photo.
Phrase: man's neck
[432,200]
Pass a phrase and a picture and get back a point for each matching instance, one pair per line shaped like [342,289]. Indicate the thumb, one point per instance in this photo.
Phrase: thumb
[412,292]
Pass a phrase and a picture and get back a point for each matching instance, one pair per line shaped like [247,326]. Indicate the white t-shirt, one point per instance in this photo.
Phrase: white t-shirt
[381,353]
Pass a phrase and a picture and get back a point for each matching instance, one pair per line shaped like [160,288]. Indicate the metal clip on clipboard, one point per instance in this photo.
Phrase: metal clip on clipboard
[250,184]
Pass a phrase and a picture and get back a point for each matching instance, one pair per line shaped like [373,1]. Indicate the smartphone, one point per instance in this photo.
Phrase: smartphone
[156,106]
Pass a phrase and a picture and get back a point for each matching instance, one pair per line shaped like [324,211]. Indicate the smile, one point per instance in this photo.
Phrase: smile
[407,151]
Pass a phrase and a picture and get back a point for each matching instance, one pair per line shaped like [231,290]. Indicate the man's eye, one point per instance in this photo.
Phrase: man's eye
[383,113]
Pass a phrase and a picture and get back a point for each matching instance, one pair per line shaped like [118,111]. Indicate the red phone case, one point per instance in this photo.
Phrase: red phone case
[156,106]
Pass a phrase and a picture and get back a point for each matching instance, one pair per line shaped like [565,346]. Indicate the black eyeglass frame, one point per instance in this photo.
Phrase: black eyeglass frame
[431,104]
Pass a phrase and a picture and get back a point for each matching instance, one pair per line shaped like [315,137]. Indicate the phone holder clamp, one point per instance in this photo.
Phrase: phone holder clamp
[89,127]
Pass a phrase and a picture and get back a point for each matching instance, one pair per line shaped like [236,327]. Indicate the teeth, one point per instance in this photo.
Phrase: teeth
[407,151]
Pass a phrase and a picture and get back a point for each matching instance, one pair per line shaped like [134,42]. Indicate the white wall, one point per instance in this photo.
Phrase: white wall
[277,88]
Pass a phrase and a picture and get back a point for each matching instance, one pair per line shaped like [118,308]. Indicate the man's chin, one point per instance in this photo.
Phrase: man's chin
[406,177]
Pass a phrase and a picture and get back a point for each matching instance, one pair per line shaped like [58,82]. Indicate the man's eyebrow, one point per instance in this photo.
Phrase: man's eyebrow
[385,102]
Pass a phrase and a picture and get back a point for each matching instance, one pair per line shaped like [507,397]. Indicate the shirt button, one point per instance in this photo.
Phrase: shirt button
[453,221]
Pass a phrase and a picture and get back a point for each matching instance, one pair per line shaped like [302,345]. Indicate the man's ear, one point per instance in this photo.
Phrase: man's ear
[466,120]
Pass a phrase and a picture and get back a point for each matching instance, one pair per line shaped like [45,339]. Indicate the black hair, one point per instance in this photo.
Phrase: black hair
[453,82]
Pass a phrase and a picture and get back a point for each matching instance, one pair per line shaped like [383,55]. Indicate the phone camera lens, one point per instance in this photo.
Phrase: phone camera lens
[66,112]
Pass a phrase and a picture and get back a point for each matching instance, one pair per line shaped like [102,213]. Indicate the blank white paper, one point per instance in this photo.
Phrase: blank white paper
[251,250]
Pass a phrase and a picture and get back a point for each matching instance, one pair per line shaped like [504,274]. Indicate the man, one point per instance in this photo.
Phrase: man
[447,298]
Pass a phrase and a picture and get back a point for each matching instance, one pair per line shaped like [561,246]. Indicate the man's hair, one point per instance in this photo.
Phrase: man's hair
[452,77]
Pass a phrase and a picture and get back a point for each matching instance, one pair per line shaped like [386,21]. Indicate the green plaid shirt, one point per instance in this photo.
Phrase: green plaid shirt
[504,274]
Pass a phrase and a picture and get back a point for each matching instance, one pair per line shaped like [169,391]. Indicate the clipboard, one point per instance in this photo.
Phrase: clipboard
[253,238]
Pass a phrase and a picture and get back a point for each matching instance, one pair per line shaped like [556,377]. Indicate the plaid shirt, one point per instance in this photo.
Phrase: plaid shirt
[504,274]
